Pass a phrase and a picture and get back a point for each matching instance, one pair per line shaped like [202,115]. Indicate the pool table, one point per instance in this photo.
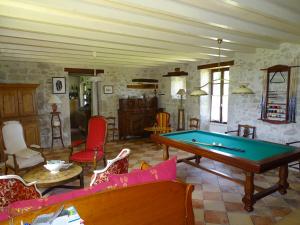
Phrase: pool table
[252,156]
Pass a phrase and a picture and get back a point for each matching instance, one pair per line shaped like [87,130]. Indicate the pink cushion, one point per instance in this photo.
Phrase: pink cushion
[19,207]
[4,214]
[163,171]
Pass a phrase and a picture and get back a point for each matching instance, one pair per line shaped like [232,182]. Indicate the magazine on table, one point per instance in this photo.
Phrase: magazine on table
[62,216]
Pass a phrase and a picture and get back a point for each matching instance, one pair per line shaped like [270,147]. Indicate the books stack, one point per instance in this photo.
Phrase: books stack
[63,216]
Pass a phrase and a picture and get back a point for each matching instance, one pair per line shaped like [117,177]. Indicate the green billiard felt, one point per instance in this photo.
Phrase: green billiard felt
[255,150]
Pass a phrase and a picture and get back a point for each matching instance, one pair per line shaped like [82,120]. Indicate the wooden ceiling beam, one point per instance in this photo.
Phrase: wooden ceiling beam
[80,71]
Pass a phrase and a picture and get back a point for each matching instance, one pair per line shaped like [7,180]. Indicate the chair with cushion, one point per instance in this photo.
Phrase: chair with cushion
[111,127]
[117,165]
[244,131]
[94,144]
[194,123]
[13,188]
[19,156]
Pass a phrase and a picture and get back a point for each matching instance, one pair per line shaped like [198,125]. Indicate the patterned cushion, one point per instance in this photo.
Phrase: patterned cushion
[163,171]
[119,167]
[20,207]
[13,189]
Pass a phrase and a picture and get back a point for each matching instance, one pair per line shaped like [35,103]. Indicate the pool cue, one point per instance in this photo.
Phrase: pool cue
[211,145]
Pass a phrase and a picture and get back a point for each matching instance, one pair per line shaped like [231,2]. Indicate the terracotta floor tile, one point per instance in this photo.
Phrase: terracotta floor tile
[212,195]
[215,217]
[280,211]
[197,203]
[232,197]
[260,220]
[236,218]
[234,207]
[214,205]
[199,214]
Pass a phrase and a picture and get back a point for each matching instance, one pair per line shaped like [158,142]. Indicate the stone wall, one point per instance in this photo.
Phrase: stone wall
[40,73]
[242,109]
[247,69]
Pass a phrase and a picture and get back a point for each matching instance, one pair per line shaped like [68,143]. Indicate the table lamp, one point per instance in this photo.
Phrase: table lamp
[54,100]
[181,92]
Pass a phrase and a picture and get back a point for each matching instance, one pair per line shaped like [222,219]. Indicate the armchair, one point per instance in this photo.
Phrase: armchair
[94,144]
[117,165]
[244,131]
[13,188]
[19,156]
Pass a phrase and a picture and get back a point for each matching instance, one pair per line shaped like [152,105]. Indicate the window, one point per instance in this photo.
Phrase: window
[219,95]
[176,84]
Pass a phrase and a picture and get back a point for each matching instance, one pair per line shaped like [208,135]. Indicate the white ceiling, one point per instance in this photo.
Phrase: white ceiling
[142,33]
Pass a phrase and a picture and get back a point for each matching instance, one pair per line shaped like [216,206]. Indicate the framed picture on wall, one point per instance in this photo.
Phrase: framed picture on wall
[108,89]
[58,85]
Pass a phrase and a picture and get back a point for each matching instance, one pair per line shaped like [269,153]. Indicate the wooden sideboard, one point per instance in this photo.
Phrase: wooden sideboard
[18,102]
[134,115]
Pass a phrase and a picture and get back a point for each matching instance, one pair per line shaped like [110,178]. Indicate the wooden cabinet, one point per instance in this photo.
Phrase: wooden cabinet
[9,102]
[18,102]
[134,115]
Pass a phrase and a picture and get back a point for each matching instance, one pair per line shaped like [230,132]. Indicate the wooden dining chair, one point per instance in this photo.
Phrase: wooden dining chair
[111,127]
[194,123]
[244,131]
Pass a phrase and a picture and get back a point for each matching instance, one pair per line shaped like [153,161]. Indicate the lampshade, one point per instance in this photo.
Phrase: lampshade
[54,100]
[198,92]
[242,89]
[181,92]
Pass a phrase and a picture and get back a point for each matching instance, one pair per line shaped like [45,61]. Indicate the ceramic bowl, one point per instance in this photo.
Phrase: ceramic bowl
[54,167]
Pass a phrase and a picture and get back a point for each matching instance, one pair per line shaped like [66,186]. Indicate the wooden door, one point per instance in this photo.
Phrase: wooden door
[31,130]
[9,102]
[27,104]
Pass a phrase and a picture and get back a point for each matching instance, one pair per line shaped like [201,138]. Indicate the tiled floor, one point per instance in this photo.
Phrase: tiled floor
[215,200]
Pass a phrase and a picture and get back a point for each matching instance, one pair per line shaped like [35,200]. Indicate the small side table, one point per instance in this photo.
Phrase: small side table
[56,128]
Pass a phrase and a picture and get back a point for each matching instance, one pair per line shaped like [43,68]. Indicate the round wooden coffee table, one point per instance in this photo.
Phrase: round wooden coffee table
[45,179]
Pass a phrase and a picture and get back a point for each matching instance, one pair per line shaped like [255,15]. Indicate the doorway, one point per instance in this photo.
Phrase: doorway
[80,96]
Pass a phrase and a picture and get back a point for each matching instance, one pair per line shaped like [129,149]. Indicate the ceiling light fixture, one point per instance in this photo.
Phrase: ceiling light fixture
[242,89]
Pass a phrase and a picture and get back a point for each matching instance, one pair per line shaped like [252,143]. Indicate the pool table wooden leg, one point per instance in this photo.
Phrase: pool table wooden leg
[283,175]
[166,152]
[248,198]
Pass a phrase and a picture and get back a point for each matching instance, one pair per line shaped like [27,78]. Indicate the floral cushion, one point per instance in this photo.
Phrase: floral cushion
[20,207]
[119,167]
[13,189]
[163,171]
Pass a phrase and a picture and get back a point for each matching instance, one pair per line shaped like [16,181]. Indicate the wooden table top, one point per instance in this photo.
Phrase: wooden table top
[158,129]
[44,178]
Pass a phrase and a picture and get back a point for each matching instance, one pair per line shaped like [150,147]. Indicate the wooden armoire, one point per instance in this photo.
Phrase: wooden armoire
[18,102]
[134,115]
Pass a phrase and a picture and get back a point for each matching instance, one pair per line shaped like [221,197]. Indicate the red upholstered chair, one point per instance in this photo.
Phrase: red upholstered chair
[13,188]
[117,165]
[94,144]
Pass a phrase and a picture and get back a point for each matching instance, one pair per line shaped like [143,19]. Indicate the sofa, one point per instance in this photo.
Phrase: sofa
[122,198]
